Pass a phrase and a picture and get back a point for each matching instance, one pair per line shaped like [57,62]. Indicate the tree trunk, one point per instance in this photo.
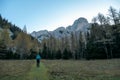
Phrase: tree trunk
[106,51]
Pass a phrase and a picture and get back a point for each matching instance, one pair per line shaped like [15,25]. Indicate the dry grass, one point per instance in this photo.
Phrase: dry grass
[84,70]
[14,69]
[60,70]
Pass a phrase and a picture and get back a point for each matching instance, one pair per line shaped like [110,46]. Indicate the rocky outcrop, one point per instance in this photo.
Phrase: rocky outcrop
[80,24]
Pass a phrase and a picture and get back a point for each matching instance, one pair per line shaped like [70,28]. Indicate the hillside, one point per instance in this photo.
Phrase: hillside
[15,43]
[80,24]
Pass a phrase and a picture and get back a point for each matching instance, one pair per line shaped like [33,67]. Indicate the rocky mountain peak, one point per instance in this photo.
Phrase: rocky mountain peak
[80,20]
[81,24]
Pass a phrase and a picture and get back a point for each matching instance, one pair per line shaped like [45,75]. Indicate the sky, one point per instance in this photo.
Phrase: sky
[51,14]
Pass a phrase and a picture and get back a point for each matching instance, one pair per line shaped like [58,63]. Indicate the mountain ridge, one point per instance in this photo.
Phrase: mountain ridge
[81,24]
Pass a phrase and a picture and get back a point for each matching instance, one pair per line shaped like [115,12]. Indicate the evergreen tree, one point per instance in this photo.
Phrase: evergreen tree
[58,54]
[65,54]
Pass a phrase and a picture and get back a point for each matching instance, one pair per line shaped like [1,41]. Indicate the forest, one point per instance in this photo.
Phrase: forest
[15,43]
[101,41]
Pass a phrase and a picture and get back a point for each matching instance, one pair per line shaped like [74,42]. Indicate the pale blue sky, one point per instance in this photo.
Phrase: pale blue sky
[50,14]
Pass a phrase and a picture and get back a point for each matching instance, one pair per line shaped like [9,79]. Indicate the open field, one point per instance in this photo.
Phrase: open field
[60,70]
[22,70]
[14,69]
[84,70]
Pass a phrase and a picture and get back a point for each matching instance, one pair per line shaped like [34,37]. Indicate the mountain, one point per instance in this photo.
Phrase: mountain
[40,35]
[81,24]
[16,43]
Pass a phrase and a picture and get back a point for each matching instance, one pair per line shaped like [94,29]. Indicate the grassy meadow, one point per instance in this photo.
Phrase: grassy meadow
[22,70]
[14,69]
[83,70]
[60,70]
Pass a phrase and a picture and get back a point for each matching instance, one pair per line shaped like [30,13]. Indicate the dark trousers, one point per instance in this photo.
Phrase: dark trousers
[38,62]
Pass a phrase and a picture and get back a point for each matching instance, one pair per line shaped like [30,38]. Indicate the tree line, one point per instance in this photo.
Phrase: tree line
[101,41]
[16,43]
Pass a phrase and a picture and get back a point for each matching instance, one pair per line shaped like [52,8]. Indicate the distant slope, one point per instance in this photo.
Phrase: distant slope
[12,28]
[15,42]
[80,24]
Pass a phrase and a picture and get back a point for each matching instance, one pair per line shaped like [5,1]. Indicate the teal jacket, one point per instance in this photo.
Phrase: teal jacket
[38,57]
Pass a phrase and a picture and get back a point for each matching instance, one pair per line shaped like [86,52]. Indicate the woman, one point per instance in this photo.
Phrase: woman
[38,60]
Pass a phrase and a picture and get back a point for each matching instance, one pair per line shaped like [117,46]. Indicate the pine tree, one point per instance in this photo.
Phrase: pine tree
[25,29]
